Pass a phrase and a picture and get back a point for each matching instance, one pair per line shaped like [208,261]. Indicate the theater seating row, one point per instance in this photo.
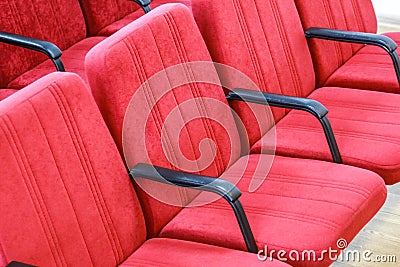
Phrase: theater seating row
[77,206]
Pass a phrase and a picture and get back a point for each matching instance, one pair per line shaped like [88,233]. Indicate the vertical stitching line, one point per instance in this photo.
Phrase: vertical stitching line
[184,195]
[249,44]
[89,172]
[151,102]
[269,46]
[61,178]
[202,108]
[149,97]
[34,193]
[357,15]
[331,21]
[283,35]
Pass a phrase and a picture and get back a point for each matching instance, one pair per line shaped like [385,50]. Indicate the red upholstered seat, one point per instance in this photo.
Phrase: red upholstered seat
[60,22]
[73,59]
[107,17]
[344,64]
[301,204]
[272,50]
[66,197]
[172,252]
[367,134]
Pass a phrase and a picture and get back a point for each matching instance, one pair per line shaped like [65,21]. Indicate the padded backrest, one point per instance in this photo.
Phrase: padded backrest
[58,21]
[117,67]
[351,15]
[66,199]
[108,16]
[261,38]
[99,14]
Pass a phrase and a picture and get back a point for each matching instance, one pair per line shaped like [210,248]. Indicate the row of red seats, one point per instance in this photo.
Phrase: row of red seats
[303,204]
[73,26]
[336,63]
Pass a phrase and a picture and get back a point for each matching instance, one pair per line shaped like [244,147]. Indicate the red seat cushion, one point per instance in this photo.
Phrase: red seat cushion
[179,253]
[366,126]
[6,93]
[302,205]
[73,59]
[370,68]
[107,17]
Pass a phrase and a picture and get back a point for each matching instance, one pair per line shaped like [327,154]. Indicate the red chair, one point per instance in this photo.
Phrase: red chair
[58,30]
[59,22]
[265,40]
[66,198]
[301,204]
[348,64]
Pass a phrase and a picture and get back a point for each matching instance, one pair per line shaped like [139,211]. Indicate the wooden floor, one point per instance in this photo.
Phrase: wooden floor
[381,236]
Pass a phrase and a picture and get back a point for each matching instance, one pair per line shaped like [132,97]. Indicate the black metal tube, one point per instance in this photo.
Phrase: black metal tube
[244,226]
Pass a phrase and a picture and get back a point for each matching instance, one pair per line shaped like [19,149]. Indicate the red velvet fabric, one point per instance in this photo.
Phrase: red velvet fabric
[66,198]
[179,253]
[4,93]
[107,17]
[366,126]
[262,39]
[355,15]
[118,66]
[73,59]
[301,205]
[58,21]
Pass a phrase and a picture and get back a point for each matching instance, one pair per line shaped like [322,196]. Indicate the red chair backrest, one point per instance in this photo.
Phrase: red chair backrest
[66,198]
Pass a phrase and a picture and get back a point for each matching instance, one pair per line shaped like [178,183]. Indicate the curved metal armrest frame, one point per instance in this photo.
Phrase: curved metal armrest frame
[308,105]
[47,48]
[221,187]
[379,40]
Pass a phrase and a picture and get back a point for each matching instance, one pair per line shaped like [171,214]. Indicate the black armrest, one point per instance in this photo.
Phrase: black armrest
[382,41]
[144,4]
[282,101]
[19,264]
[204,183]
[308,105]
[47,48]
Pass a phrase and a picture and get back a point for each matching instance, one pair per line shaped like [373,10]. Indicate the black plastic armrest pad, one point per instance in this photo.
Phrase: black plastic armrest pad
[221,187]
[352,37]
[50,49]
[19,264]
[312,106]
